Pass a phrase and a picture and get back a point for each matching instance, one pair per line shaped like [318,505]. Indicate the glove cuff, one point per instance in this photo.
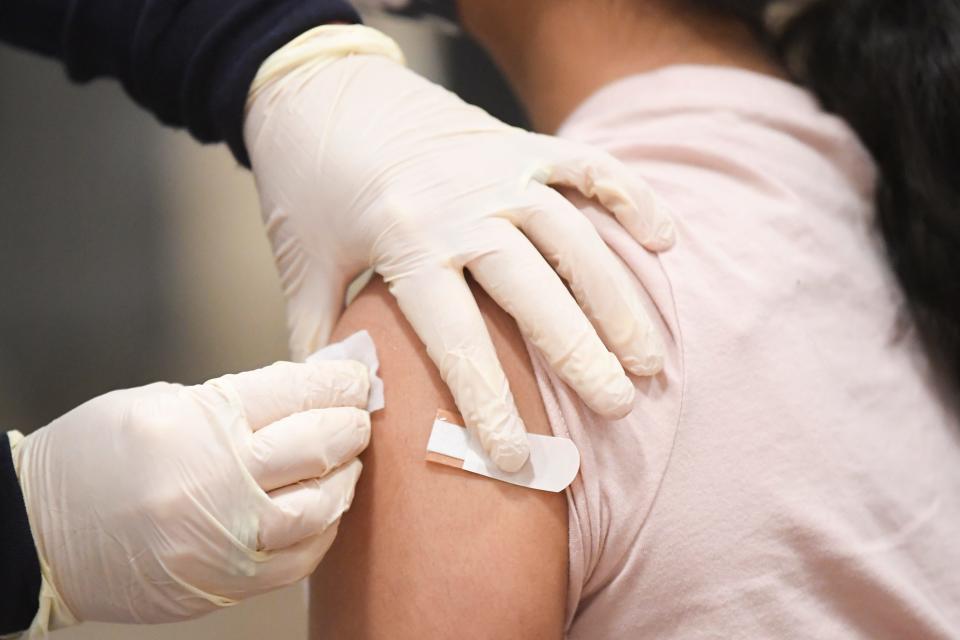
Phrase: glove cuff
[20,575]
[15,438]
[51,613]
[320,46]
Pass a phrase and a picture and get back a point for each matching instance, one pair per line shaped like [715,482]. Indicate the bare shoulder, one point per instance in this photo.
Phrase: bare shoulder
[432,552]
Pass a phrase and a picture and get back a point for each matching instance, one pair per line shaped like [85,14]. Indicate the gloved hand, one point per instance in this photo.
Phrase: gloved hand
[165,502]
[360,163]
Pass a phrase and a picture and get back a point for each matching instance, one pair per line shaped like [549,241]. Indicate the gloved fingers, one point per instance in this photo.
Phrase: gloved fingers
[305,445]
[291,564]
[442,311]
[314,287]
[596,174]
[308,508]
[285,388]
[599,282]
[519,279]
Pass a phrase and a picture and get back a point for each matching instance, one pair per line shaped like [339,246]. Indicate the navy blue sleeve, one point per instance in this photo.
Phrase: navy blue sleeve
[19,567]
[190,62]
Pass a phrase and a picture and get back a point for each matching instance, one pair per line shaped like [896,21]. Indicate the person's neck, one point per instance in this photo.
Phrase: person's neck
[556,53]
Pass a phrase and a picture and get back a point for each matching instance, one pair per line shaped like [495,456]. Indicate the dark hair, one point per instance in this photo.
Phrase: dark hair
[891,69]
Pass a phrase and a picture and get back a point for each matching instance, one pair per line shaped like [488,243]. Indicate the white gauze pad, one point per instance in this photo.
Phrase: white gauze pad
[553,464]
[357,347]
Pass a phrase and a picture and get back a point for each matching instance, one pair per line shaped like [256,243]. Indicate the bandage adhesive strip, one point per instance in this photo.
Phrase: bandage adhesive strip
[553,464]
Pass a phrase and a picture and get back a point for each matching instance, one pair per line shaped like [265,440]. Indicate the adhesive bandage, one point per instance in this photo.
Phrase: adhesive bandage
[553,464]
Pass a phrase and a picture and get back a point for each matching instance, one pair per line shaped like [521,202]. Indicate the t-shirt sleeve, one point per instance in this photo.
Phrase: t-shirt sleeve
[190,62]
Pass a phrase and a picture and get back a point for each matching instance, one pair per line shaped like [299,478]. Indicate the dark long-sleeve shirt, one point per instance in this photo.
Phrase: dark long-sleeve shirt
[19,567]
[190,62]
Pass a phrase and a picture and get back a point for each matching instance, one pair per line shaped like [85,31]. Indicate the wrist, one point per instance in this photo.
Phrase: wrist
[318,47]
[19,564]
[14,439]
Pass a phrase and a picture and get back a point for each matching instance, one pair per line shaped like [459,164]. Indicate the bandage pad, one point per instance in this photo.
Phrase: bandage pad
[553,464]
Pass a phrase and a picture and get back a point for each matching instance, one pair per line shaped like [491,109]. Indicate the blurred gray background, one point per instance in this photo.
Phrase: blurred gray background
[130,254]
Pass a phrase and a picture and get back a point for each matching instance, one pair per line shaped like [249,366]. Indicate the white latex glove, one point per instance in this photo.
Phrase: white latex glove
[361,163]
[165,502]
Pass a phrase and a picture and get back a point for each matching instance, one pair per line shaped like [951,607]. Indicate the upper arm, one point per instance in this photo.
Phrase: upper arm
[428,551]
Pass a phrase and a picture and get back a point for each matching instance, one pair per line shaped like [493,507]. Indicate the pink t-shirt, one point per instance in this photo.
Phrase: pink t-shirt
[793,472]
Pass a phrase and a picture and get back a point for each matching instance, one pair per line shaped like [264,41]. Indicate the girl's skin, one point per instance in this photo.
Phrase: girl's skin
[556,53]
[431,552]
